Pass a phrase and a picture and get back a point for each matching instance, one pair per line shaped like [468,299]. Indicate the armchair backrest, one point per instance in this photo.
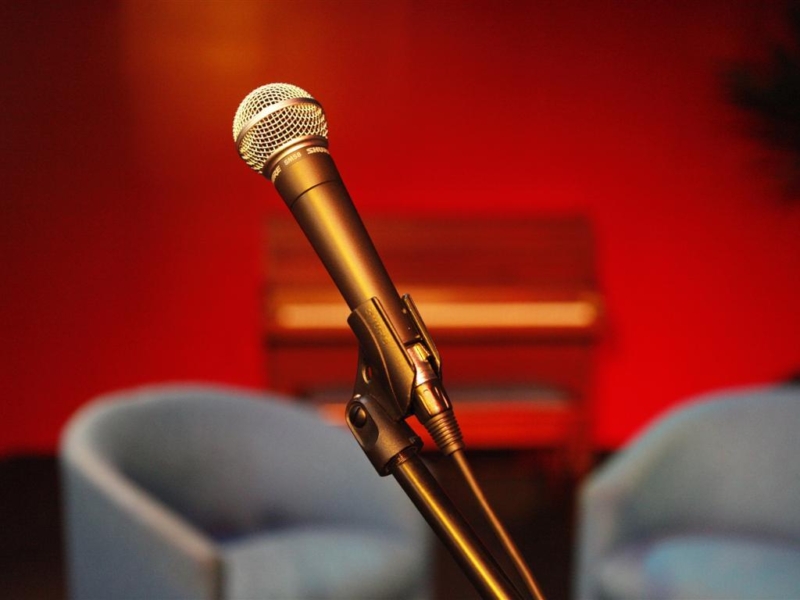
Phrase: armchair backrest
[238,462]
[730,461]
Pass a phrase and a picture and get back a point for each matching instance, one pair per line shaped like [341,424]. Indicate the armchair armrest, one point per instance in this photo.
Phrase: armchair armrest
[122,542]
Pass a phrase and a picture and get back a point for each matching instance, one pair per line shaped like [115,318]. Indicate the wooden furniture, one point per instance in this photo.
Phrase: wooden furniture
[513,306]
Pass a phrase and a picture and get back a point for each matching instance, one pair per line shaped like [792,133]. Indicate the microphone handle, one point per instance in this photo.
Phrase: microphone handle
[310,184]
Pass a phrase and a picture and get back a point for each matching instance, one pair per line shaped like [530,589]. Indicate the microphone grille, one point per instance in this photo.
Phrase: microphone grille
[272,117]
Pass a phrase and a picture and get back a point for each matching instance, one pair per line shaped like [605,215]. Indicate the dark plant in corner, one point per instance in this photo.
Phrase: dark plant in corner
[769,92]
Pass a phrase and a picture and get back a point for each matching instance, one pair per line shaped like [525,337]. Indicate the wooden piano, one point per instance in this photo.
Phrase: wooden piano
[513,306]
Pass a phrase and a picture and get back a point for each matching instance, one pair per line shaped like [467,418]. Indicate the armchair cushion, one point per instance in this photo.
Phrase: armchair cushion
[349,564]
[703,566]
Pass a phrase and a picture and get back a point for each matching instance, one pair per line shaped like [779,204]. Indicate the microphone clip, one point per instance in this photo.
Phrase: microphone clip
[393,381]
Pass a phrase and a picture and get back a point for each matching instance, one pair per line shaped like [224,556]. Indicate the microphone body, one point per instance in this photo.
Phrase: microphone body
[310,184]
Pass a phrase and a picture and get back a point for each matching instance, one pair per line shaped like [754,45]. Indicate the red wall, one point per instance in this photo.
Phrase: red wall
[130,229]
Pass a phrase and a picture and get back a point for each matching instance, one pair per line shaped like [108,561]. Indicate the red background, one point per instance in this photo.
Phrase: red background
[130,230]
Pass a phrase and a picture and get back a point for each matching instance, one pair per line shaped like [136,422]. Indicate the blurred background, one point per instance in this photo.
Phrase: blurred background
[132,235]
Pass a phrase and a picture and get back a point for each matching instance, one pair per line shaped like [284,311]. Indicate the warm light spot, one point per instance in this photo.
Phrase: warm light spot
[488,315]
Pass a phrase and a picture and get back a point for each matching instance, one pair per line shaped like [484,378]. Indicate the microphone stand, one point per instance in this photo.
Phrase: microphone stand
[382,438]
[278,128]
[376,417]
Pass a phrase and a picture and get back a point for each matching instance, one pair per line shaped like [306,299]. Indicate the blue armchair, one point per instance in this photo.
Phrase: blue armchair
[198,492]
[704,504]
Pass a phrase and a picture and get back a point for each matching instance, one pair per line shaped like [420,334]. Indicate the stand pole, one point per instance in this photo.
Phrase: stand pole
[451,527]
[392,381]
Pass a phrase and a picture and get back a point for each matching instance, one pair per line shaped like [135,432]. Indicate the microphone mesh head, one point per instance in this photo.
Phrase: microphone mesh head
[272,117]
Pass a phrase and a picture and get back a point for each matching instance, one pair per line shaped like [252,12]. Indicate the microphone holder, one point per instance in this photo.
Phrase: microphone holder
[376,416]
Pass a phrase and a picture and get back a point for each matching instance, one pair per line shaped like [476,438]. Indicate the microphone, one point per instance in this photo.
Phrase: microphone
[280,131]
